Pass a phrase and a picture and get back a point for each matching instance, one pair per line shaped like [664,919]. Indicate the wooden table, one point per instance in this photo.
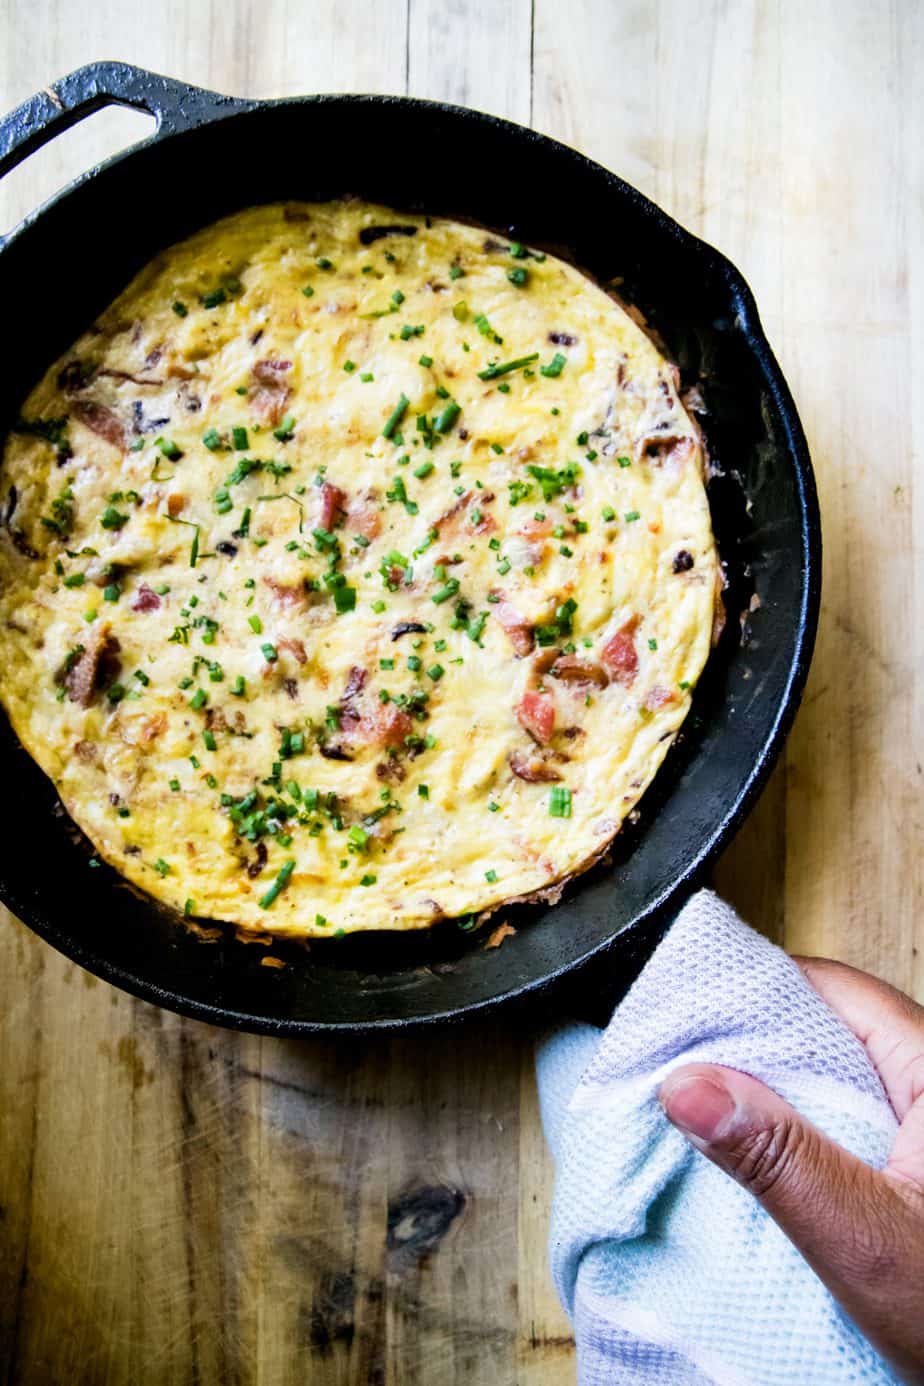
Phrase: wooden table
[181,1205]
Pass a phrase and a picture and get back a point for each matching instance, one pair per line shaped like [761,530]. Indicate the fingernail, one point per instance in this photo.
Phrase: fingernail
[698,1105]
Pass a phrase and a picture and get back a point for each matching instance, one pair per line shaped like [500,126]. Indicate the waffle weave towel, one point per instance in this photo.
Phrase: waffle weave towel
[671,1272]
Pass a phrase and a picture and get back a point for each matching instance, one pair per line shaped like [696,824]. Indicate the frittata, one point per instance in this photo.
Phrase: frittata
[356,570]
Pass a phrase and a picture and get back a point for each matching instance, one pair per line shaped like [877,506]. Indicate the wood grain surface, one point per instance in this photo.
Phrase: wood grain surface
[181,1205]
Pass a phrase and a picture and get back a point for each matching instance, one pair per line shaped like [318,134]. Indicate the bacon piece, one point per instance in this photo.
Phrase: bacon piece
[295,648]
[669,448]
[333,506]
[619,655]
[518,629]
[363,515]
[659,697]
[101,420]
[95,663]
[452,513]
[536,529]
[256,866]
[175,503]
[484,524]
[536,714]
[392,725]
[145,599]
[408,628]
[356,682]
[288,596]
[271,371]
[270,400]
[571,669]
[496,938]
[531,769]
[152,727]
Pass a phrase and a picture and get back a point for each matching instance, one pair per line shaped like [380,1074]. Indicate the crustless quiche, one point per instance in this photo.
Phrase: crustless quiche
[356,570]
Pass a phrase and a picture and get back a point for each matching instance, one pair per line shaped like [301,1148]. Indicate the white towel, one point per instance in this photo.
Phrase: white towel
[672,1272]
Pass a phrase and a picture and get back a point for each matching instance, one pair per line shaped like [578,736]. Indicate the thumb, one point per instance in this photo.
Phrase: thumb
[830,1204]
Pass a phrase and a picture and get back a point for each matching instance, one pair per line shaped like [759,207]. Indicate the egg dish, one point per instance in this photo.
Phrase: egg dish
[356,571]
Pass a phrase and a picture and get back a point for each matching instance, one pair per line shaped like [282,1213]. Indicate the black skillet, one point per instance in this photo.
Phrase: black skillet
[213,154]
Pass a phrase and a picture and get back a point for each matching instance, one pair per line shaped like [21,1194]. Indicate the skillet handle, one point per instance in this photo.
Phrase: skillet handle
[174,105]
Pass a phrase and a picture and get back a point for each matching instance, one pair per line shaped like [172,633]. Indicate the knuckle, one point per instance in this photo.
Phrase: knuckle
[766,1156]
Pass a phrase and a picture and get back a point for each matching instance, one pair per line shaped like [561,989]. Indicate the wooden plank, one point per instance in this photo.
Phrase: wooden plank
[473,53]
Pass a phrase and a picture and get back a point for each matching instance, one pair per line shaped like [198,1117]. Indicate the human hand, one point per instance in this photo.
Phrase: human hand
[861,1230]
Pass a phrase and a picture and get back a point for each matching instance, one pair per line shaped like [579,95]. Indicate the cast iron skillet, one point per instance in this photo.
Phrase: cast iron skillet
[213,154]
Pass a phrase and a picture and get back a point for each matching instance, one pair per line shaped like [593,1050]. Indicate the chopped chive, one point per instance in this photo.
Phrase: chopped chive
[425,361]
[435,672]
[424,791]
[624,461]
[270,653]
[518,276]
[490,877]
[555,366]
[256,625]
[367,880]
[559,802]
[199,698]
[112,592]
[280,883]
[169,448]
[630,516]
[208,740]
[179,308]
[447,417]
[75,580]
[444,593]
[112,519]
[349,367]
[492,372]
[239,438]
[609,513]
[423,470]
[308,291]
[344,599]
[652,644]
[161,867]
[395,417]
[212,439]
[323,263]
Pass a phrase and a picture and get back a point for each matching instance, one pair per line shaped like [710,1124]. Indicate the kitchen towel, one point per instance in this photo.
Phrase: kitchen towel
[670,1271]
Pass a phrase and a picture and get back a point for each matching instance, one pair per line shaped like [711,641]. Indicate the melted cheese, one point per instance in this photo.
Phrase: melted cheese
[194,479]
